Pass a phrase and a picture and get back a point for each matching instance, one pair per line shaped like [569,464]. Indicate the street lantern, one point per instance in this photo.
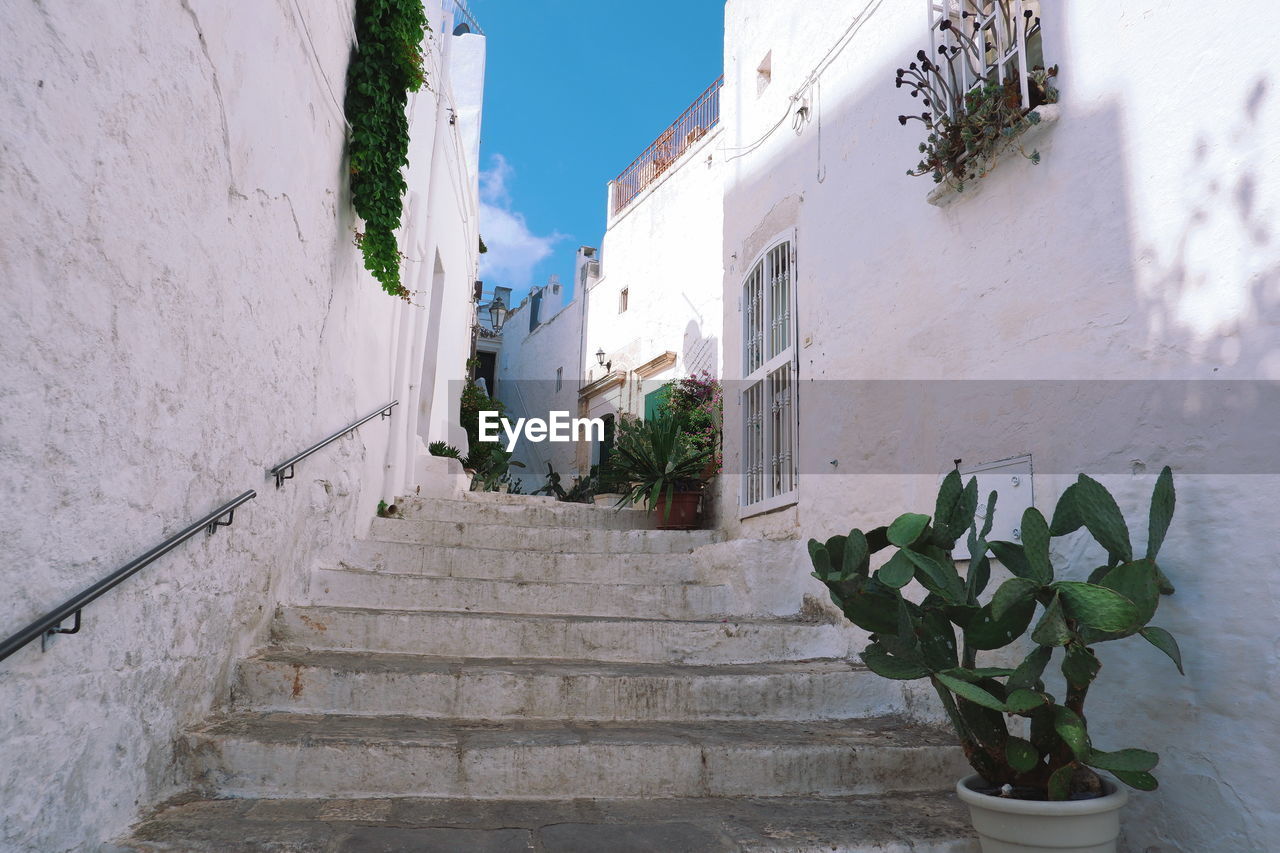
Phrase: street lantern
[600,356]
[497,313]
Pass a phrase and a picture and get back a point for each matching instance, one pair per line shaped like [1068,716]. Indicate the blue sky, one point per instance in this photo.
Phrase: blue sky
[574,91]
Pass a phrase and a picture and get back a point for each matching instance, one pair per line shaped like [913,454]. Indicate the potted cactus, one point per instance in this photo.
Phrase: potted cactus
[1037,784]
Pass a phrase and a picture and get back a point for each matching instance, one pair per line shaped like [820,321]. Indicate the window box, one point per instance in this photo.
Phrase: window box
[944,194]
[982,89]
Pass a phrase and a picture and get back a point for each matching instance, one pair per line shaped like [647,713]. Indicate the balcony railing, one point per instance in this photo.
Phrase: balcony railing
[693,124]
[463,20]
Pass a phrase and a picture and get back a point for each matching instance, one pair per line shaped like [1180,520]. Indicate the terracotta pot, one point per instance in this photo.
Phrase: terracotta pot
[682,514]
[1032,826]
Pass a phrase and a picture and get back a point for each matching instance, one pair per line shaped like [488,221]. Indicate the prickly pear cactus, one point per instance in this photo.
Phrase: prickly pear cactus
[937,635]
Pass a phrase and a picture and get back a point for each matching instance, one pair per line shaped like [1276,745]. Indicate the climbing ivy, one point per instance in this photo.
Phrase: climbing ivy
[386,67]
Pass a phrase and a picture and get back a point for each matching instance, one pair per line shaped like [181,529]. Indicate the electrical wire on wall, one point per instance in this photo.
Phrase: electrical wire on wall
[817,112]
[455,135]
[319,66]
[347,18]
[810,79]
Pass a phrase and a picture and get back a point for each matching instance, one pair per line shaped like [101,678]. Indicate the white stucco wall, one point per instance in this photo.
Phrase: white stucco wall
[182,307]
[455,229]
[526,380]
[660,248]
[1143,247]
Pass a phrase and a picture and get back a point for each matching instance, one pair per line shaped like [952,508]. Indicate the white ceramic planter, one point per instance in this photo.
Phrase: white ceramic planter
[1026,826]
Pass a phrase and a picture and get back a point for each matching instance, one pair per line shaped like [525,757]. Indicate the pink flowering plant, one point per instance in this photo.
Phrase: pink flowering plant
[697,405]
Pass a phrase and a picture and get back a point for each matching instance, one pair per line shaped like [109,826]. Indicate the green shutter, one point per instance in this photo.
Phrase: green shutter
[654,400]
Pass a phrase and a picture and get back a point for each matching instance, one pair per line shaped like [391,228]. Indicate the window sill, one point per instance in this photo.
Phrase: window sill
[944,194]
[768,505]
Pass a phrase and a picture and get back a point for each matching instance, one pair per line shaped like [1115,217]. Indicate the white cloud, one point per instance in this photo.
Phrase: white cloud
[514,250]
[493,181]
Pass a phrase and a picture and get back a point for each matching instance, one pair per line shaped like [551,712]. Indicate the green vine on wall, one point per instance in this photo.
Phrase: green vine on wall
[387,66]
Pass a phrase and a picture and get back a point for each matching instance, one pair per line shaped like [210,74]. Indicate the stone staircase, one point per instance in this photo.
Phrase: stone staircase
[500,674]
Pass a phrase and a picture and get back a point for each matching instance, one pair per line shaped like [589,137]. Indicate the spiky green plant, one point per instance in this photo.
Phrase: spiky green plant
[581,491]
[656,459]
[439,448]
[939,637]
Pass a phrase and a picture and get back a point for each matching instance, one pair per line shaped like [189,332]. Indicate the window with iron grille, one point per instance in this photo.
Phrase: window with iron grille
[990,34]
[768,396]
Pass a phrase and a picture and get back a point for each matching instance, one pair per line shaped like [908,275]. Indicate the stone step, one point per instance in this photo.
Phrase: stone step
[291,755]
[581,540]
[504,498]
[537,512]
[904,823]
[523,565]
[358,588]
[494,635]
[314,682]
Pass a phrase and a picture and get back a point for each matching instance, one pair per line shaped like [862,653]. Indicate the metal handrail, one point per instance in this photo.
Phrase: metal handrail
[284,471]
[51,622]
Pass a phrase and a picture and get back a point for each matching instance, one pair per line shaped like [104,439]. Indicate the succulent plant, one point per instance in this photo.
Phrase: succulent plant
[439,448]
[939,636]
[654,459]
[970,107]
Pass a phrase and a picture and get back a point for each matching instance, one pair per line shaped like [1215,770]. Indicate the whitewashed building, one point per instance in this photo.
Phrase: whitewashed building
[182,308]
[1141,249]
[654,313]
[492,309]
[538,373]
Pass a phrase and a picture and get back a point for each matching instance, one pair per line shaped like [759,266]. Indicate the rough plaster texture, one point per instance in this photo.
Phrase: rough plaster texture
[182,308]
[1143,247]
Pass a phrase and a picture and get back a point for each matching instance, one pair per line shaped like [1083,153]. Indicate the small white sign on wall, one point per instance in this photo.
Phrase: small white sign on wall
[1010,479]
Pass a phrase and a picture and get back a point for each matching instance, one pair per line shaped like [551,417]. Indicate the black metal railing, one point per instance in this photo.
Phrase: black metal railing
[51,622]
[693,124]
[462,15]
[284,471]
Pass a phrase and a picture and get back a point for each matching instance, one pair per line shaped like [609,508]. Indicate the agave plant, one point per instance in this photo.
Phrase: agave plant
[439,448]
[655,459]
[939,637]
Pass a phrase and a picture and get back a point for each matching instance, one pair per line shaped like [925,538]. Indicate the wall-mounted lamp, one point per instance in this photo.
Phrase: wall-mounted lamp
[497,313]
[607,365]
